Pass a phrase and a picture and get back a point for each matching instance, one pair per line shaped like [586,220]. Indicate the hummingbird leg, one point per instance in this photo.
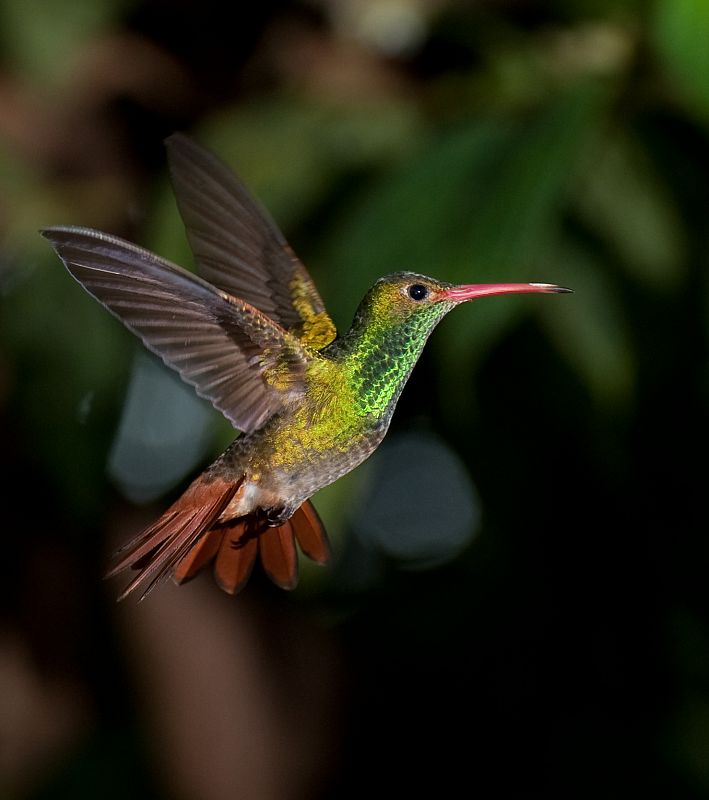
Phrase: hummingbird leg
[278,515]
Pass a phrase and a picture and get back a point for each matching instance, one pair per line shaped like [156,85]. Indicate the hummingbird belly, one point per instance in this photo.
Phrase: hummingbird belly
[287,461]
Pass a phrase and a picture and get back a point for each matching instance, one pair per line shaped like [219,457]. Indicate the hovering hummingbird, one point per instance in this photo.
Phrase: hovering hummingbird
[252,335]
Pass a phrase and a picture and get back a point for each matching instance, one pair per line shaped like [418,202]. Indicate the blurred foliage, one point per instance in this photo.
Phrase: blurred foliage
[39,51]
[681,29]
[537,140]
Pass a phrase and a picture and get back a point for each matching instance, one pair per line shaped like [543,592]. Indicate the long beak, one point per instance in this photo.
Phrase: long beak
[460,294]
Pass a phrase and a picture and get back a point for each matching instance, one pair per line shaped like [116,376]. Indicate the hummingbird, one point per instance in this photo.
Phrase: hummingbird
[251,334]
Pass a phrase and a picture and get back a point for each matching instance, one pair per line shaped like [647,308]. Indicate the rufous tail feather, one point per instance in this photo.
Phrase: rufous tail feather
[199,556]
[237,553]
[279,558]
[160,548]
[310,533]
[187,537]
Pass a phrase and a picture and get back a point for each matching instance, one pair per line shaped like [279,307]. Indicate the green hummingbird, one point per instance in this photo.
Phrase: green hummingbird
[253,336]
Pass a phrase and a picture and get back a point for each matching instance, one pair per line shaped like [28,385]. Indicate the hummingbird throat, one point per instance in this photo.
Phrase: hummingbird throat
[379,355]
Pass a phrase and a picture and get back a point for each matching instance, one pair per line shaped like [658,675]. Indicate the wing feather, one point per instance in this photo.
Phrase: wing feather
[220,344]
[239,248]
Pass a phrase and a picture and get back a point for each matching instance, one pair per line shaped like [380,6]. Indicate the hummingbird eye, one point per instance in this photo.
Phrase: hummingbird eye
[417,291]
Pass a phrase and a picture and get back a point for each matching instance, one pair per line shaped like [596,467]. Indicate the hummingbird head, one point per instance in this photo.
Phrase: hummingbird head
[407,297]
[391,327]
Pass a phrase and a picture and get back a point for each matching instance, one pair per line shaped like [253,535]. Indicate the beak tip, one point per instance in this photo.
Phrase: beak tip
[552,288]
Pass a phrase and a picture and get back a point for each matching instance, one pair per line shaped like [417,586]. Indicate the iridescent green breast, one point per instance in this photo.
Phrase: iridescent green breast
[379,353]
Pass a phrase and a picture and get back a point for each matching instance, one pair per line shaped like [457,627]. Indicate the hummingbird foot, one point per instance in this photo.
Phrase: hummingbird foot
[277,516]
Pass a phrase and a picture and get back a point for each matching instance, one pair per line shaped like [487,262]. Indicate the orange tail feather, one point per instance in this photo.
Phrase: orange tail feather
[237,553]
[187,537]
[310,533]
[279,556]
[159,549]
[199,556]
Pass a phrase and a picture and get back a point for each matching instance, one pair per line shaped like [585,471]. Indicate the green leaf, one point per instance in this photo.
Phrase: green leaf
[681,33]
[589,327]
[71,358]
[39,37]
[512,231]
[289,150]
[414,216]
[621,196]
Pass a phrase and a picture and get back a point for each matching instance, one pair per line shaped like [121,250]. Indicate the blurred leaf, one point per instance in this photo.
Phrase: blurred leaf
[519,207]
[589,327]
[414,216]
[288,150]
[29,202]
[164,230]
[39,37]
[622,198]
[681,32]
[391,517]
[73,358]
[163,435]
[512,230]
[483,195]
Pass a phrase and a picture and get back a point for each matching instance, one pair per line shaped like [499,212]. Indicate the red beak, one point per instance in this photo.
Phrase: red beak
[459,294]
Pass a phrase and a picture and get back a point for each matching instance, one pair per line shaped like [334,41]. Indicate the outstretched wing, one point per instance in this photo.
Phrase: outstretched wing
[239,248]
[220,344]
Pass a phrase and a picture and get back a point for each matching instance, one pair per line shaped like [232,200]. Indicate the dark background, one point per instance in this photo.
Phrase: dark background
[547,632]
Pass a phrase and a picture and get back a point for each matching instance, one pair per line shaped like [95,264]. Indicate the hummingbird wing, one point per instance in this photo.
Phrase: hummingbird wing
[239,248]
[227,349]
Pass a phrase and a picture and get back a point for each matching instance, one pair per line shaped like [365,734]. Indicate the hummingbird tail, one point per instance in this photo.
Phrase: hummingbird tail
[235,544]
[159,549]
[188,536]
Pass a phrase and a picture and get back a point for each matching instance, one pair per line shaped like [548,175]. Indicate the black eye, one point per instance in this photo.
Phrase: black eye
[417,291]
